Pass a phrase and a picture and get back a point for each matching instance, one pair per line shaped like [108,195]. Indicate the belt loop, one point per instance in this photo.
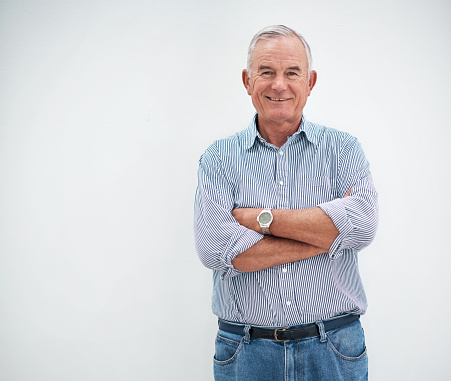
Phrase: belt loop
[322,332]
[247,336]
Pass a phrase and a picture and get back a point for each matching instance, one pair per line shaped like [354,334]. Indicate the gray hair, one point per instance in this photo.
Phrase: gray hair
[277,31]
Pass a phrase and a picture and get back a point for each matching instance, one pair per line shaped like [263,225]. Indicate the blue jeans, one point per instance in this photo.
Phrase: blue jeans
[336,355]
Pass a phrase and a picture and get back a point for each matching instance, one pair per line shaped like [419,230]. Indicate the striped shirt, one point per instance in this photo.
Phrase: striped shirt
[317,166]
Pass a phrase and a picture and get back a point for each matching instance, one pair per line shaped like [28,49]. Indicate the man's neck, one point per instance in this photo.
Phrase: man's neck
[277,133]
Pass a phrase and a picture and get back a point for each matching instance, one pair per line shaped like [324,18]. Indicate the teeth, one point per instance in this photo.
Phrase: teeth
[277,99]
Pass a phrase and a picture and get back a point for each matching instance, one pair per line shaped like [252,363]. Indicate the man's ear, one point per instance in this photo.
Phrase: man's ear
[312,81]
[246,81]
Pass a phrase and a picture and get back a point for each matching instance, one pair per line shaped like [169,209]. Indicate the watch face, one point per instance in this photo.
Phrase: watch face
[265,218]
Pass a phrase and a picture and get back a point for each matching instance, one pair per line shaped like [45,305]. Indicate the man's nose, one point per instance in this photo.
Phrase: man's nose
[279,83]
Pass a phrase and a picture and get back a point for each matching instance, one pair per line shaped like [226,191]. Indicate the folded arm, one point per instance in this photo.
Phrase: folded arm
[312,226]
[296,234]
[273,251]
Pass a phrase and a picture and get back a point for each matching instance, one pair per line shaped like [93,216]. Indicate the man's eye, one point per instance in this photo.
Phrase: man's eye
[292,73]
[266,73]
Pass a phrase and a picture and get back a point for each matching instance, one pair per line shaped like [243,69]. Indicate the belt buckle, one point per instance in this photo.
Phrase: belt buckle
[280,329]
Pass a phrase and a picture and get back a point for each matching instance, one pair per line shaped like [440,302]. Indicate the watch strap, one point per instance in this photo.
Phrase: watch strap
[265,230]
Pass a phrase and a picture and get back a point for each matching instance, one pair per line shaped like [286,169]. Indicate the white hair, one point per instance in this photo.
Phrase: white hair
[277,31]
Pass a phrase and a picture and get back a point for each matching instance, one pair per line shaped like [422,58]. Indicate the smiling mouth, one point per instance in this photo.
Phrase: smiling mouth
[277,99]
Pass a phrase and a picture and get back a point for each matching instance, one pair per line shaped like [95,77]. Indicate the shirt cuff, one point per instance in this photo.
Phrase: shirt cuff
[242,240]
[337,212]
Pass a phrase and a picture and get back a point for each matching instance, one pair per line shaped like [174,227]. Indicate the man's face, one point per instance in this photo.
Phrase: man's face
[279,84]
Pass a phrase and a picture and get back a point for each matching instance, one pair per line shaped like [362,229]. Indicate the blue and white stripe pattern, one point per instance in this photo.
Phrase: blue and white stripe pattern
[317,166]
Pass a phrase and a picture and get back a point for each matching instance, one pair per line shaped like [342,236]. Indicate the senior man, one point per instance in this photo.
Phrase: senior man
[282,210]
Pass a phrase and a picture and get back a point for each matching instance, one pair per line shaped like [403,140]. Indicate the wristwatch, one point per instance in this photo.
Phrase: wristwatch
[264,219]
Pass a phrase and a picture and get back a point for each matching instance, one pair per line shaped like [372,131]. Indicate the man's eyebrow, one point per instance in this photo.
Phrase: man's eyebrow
[265,67]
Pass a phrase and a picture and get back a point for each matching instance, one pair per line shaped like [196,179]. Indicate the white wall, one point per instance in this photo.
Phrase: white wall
[105,107]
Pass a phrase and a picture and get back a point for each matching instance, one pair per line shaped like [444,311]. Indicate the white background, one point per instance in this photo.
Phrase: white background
[105,108]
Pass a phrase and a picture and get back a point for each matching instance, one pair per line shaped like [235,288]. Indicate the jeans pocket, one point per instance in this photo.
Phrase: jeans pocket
[227,348]
[348,342]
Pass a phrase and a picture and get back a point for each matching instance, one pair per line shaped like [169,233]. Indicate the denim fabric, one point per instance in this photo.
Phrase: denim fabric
[336,355]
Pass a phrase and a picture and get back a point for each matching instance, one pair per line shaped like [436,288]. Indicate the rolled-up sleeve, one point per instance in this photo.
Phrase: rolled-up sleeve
[219,238]
[355,216]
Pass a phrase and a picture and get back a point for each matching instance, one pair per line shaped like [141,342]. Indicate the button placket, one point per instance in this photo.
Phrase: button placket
[286,291]
[281,179]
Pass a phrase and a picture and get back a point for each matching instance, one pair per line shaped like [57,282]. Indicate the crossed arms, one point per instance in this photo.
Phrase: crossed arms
[296,234]
[229,240]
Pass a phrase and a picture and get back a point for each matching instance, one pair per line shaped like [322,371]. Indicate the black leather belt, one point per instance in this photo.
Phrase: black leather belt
[282,334]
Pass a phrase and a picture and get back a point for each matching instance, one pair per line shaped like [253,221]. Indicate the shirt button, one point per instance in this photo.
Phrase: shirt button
[284,270]
[288,303]
[281,182]
[281,153]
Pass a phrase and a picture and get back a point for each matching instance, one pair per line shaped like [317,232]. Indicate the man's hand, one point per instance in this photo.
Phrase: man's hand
[248,218]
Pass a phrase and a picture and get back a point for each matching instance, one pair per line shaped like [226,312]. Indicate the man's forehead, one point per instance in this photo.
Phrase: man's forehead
[287,50]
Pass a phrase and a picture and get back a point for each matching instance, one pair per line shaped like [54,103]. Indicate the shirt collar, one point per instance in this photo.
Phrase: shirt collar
[251,133]
[310,130]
